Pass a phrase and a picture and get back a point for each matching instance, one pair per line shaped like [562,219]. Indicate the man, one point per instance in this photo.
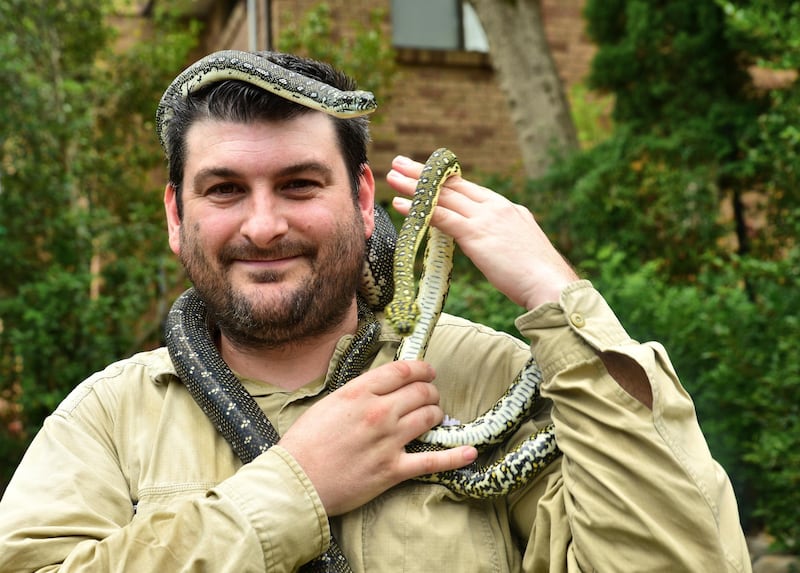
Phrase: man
[268,207]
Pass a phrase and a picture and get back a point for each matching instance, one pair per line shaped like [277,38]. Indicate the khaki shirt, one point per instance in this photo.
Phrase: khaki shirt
[129,475]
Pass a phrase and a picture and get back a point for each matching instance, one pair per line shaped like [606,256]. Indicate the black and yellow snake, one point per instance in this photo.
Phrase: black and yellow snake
[388,278]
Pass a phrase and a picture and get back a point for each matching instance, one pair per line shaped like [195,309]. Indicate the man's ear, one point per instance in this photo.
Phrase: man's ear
[173,219]
[366,199]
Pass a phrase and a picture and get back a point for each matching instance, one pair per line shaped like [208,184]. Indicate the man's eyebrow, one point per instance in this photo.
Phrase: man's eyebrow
[214,173]
[316,167]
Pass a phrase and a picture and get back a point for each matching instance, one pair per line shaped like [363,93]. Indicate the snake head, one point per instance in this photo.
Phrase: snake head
[402,315]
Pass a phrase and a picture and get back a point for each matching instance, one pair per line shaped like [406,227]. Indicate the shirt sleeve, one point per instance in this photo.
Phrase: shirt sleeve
[68,508]
[638,488]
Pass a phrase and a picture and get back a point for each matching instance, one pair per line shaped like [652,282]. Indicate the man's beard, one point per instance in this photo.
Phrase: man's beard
[316,306]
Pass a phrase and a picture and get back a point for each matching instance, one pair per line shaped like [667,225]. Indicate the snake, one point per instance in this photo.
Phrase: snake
[387,285]
[414,312]
[261,72]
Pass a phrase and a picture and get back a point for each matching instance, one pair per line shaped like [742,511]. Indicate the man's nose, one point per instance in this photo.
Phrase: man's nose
[264,220]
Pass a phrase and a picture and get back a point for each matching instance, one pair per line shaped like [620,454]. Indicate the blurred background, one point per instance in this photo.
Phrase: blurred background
[656,142]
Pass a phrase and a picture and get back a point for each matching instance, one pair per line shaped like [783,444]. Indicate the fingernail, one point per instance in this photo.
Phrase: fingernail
[470,455]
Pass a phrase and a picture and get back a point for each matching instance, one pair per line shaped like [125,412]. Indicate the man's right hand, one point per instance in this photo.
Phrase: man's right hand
[351,444]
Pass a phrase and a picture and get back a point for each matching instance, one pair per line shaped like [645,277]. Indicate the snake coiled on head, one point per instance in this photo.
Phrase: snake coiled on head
[234,412]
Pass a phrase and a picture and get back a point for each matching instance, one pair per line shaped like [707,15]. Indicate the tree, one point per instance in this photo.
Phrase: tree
[81,225]
[767,33]
[643,213]
[527,75]
[365,54]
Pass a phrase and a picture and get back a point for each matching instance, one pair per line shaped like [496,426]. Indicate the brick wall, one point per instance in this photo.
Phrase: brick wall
[570,46]
[439,98]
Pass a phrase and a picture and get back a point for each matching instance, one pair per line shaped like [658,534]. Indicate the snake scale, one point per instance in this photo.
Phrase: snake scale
[385,283]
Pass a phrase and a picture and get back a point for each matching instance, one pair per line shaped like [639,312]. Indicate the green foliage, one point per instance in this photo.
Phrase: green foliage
[641,212]
[364,52]
[766,29]
[736,355]
[615,192]
[80,221]
[589,113]
[772,166]
[667,62]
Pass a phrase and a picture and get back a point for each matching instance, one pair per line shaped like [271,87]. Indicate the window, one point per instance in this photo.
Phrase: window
[474,37]
[437,25]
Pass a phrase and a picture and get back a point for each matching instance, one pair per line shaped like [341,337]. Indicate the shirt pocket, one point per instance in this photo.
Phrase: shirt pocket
[423,527]
[161,497]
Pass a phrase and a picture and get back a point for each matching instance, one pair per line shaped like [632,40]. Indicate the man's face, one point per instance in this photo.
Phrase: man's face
[270,234]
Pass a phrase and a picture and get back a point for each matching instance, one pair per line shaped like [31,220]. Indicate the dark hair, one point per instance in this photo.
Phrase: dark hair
[241,102]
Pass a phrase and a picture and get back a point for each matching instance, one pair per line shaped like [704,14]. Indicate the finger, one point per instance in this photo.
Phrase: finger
[405,181]
[410,169]
[405,174]
[392,376]
[410,410]
[416,422]
[412,398]
[461,203]
[423,463]
[407,166]
[401,182]
[449,221]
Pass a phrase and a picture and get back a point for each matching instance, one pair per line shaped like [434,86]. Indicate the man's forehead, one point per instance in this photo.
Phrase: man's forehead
[309,139]
[316,121]
[312,128]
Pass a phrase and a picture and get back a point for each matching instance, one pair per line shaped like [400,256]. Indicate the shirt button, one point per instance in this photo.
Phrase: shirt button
[577,320]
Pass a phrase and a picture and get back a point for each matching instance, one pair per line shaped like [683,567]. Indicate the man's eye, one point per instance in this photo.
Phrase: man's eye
[224,190]
[300,186]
